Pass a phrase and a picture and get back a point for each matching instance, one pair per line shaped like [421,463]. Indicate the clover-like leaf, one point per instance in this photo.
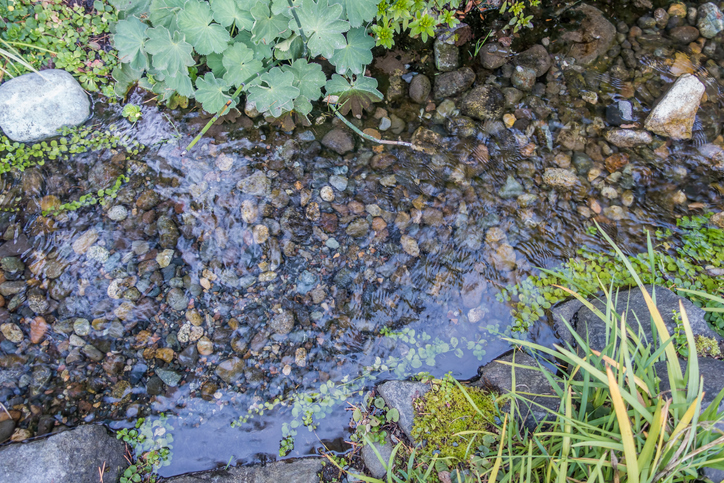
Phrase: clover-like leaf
[195,21]
[212,92]
[322,25]
[228,12]
[129,41]
[240,64]
[356,54]
[308,78]
[164,13]
[356,96]
[267,26]
[277,96]
[358,12]
[171,54]
[181,83]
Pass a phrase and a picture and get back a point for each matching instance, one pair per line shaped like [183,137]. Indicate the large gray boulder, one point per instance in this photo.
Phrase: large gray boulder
[632,303]
[71,456]
[35,106]
[295,471]
[674,115]
[499,377]
[400,395]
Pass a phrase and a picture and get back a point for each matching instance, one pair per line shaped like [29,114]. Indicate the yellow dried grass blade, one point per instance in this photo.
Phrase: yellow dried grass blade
[624,424]
[499,458]
[646,456]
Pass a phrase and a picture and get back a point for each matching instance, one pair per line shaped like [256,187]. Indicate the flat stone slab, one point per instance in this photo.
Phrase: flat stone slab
[302,470]
[498,376]
[372,462]
[72,456]
[400,395]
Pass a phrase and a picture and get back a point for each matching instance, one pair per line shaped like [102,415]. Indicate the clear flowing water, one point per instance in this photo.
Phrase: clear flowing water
[282,288]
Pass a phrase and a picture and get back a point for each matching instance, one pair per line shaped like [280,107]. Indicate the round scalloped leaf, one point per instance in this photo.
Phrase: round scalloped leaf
[129,41]
[240,64]
[356,54]
[181,83]
[261,51]
[322,25]
[308,78]
[267,26]
[212,93]
[358,12]
[170,53]
[356,96]
[125,77]
[277,96]
[281,7]
[228,12]
[195,21]
[164,12]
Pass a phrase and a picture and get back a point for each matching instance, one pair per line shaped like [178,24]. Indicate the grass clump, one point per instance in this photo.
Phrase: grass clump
[450,421]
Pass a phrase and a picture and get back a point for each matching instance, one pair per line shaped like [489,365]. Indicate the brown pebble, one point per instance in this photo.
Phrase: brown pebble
[205,346]
[165,354]
[616,161]
[38,328]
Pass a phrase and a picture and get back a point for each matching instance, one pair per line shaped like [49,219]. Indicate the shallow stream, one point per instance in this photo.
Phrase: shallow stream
[263,263]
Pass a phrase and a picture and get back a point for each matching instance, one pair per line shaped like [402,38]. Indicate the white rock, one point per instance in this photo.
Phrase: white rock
[36,106]
[674,115]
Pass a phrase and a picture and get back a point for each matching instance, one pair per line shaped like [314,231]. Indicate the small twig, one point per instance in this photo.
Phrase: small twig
[101,471]
[6,410]
[367,136]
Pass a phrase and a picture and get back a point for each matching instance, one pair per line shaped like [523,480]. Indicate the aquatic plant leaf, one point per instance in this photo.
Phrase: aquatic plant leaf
[322,25]
[355,96]
[358,12]
[181,83]
[212,92]
[240,64]
[267,26]
[278,93]
[129,41]
[195,21]
[164,13]
[308,78]
[171,54]
[228,12]
[356,54]
[261,51]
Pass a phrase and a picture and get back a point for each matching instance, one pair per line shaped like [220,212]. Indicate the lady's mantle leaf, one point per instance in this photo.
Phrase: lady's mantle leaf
[211,92]
[267,26]
[125,77]
[181,84]
[356,55]
[281,7]
[261,51]
[129,38]
[358,95]
[308,78]
[227,12]
[322,25]
[195,22]
[277,96]
[358,12]
[240,64]
[170,54]
[164,12]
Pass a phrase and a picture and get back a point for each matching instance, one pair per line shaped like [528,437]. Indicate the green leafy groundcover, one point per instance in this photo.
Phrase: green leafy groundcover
[691,260]
[207,50]
[52,34]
